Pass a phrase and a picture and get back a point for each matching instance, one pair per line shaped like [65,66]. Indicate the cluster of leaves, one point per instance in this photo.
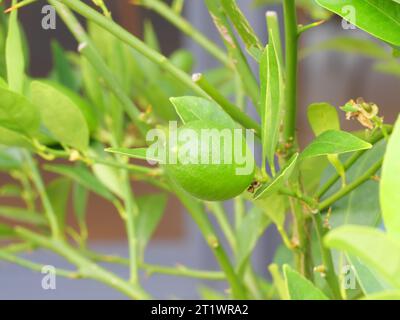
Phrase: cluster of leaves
[107,97]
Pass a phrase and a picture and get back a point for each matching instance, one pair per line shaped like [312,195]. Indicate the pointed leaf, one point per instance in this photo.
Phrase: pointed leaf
[193,108]
[137,153]
[15,60]
[334,142]
[151,208]
[375,248]
[271,77]
[300,288]
[17,113]
[60,115]
[82,176]
[322,117]
[381,18]
[390,183]
[279,180]
[58,193]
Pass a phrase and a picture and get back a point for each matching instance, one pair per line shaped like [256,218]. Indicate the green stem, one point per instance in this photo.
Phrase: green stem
[236,114]
[88,50]
[182,271]
[222,219]
[170,14]
[86,268]
[179,270]
[350,187]
[196,211]
[133,42]
[291,48]
[237,57]
[48,208]
[177,6]
[327,260]
[349,163]
[239,211]
[132,212]
[35,266]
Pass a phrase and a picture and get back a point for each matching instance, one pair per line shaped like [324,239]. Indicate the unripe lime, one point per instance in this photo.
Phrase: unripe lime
[213,162]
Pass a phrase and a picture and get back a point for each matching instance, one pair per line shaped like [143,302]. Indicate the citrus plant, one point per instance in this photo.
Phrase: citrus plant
[334,202]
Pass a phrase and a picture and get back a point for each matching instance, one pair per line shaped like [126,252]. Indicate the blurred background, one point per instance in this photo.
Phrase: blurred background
[324,76]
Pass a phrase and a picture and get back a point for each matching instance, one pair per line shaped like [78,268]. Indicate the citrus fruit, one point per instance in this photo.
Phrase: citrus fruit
[213,162]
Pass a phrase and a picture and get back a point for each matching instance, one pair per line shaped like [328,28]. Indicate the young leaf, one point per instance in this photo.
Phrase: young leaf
[299,288]
[278,281]
[151,208]
[110,178]
[377,17]
[194,108]
[370,282]
[243,27]
[272,93]
[252,227]
[15,60]
[322,117]
[384,295]
[334,142]
[80,198]
[62,71]
[390,183]
[8,162]
[58,193]
[137,153]
[375,248]
[22,215]
[17,113]
[279,180]
[83,177]
[14,139]
[61,116]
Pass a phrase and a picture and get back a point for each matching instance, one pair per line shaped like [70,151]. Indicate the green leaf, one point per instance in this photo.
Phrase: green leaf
[8,162]
[60,115]
[274,206]
[22,215]
[151,208]
[62,71]
[243,27]
[82,176]
[334,142]
[322,117]
[384,295]
[17,113]
[80,198]
[14,139]
[6,232]
[58,192]
[86,108]
[390,183]
[15,60]
[375,248]
[271,95]
[370,282]
[279,180]
[352,45]
[3,84]
[137,153]
[250,230]
[278,281]
[194,108]
[300,288]
[109,177]
[361,206]
[380,18]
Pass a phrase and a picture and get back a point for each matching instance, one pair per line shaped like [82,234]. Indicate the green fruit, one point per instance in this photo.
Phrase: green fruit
[209,180]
